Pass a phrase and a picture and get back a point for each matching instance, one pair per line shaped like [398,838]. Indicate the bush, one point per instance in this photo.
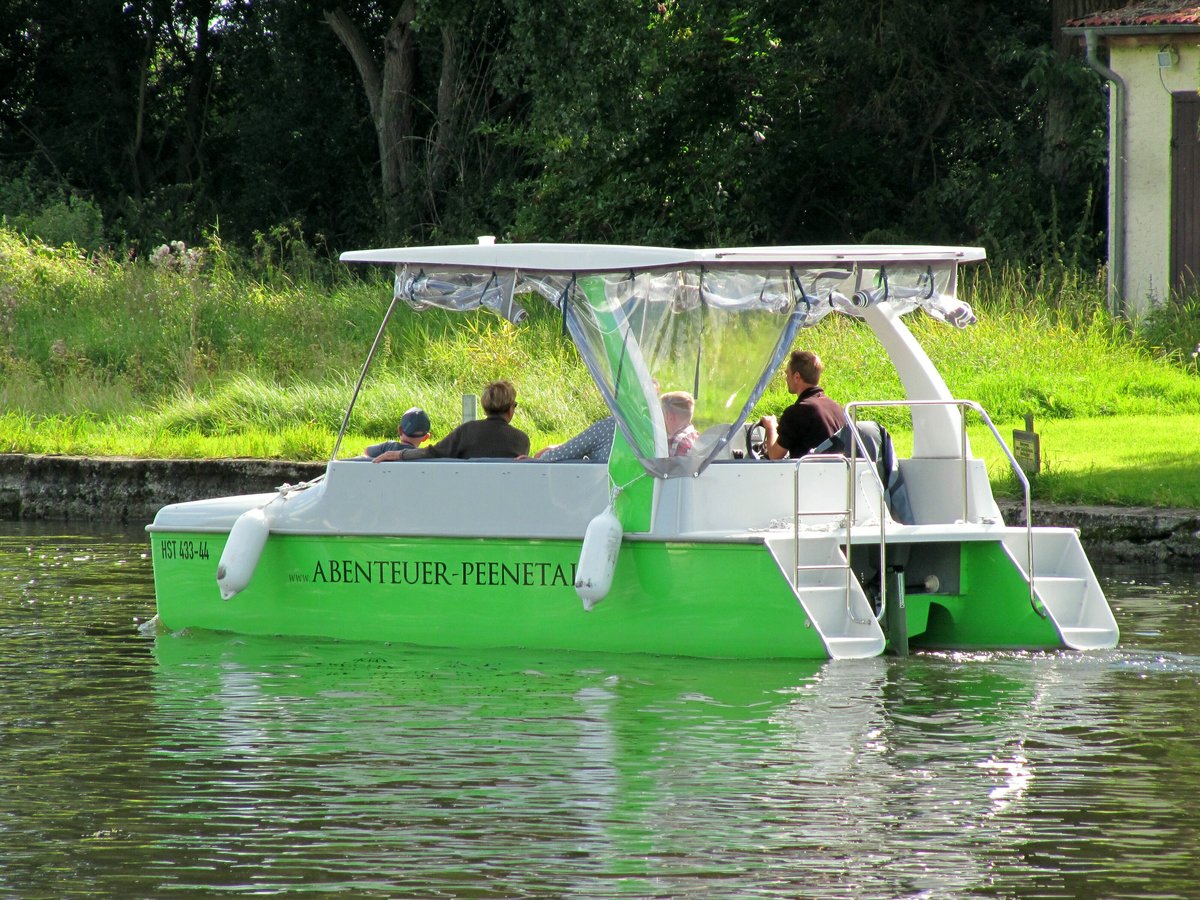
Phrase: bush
[50,212]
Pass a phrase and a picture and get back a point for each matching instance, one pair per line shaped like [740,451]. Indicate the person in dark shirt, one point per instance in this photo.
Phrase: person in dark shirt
[412,431]
[811,419]
[490,437]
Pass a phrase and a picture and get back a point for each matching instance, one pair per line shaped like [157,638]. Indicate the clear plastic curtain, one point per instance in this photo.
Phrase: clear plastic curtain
[716,335]
[712,336]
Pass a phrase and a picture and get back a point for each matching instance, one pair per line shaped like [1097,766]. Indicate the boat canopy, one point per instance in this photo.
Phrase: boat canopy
[715,323]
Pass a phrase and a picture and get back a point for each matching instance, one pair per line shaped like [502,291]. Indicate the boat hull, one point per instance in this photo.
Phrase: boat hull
[992,609]
[682,598]
[687,598]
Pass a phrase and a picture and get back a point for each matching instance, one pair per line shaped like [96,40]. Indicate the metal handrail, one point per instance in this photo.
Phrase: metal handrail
[850,514]
[852,411]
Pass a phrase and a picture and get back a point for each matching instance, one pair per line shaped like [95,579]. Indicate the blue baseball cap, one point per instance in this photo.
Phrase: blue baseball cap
[415,422]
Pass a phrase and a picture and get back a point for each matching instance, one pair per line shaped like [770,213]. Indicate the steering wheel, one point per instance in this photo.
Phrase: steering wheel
[756,441]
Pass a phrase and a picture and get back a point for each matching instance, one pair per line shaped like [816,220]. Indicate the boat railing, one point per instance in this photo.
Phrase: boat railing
[848,516]
[853,407]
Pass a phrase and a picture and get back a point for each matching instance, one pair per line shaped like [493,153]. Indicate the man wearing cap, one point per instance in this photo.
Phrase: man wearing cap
[413,431]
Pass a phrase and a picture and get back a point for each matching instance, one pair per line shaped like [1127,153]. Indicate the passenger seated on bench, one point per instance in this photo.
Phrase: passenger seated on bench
[678,408]
[594,443]
[412,431]
[812,419]
[490,437]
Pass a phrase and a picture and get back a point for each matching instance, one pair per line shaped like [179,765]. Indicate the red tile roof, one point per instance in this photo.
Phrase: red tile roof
[1148,12]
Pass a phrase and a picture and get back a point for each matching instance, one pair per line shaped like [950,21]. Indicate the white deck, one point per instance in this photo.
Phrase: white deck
[734,500]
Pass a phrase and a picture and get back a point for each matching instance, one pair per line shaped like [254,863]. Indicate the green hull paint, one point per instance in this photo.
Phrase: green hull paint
[711,600]
[633,506]
[916,609]
[991,612]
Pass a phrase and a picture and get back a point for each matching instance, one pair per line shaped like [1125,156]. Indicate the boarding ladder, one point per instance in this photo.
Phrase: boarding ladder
[853,407]
[844,523]
[848,516]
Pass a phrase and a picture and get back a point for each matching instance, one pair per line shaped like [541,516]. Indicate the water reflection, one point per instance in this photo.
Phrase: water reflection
[145,765]
[572,767]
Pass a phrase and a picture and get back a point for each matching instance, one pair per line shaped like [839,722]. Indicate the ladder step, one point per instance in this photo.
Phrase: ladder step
[819,595]
[854,647]
[1061,591]
[1089,637]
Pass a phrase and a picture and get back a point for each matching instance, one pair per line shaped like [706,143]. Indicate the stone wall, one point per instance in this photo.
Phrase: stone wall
[130,492]
[1120,533]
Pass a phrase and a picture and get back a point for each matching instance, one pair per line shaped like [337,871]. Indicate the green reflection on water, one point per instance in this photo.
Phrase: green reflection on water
[568,749]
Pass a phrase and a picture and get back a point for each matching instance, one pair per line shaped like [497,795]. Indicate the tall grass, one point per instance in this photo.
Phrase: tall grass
[225,359]
[1019,358]
[65,315]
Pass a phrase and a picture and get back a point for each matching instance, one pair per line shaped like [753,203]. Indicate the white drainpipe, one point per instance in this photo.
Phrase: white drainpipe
[1116,225]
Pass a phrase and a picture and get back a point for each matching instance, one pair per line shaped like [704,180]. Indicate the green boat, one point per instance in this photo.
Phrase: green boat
[845,553]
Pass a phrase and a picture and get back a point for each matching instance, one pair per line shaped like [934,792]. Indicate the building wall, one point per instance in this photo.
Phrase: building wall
[1147,193]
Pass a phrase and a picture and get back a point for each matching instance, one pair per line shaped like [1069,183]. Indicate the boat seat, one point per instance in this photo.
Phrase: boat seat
[708,438]
[878,446]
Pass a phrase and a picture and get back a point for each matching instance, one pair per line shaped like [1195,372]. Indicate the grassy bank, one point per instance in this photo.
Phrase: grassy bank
[200,355]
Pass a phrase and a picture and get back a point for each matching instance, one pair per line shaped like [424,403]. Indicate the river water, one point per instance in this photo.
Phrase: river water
[142,765]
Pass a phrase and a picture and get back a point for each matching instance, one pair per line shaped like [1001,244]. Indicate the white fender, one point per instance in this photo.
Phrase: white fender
[598,558]
[242,550]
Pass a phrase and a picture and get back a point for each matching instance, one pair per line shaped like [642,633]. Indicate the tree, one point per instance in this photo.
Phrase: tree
[647,124]
[714,121]
[289,145]
[425,96]
[1075,126]
[389,89]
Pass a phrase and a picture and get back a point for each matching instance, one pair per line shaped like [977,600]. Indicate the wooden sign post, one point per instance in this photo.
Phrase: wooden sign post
[1027,448]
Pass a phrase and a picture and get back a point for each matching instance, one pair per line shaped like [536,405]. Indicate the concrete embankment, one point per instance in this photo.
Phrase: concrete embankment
[130,491]
[1122,534]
